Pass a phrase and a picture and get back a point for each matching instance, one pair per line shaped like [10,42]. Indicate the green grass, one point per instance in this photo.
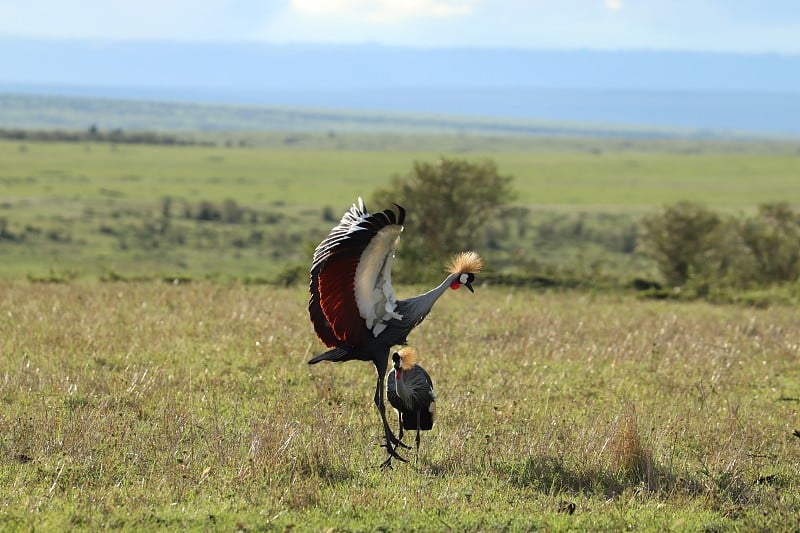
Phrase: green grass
[157,406]
[88,210]
[78,173]
[619,181]
[597,175]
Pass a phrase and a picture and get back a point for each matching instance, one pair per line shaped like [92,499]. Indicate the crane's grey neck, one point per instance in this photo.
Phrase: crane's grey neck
[417,307]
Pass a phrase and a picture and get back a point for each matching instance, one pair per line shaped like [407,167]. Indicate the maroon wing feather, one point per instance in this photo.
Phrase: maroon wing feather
[337,300]
[332,306]
[321,326]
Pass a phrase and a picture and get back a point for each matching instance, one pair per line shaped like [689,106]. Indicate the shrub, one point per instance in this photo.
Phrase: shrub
[448,202]
[772,239]
[208,211]
[681,239]
[697,248]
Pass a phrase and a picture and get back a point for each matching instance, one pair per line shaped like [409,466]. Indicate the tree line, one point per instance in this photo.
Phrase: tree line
[94,134]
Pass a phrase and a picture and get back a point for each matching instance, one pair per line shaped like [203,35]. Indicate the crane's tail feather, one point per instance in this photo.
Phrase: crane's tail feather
[340,353]
[425,420]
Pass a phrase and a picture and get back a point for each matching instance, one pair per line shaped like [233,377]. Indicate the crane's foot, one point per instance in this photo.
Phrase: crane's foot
[387,464]
[393,453]
[396,441]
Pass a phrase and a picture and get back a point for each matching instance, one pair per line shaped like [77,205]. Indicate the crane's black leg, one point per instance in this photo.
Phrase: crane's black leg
[418,424]
[388,462]
[400,424]
[391,441]
[379,403]
[400,435]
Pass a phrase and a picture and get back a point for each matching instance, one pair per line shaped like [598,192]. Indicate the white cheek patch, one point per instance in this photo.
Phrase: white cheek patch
[463,278]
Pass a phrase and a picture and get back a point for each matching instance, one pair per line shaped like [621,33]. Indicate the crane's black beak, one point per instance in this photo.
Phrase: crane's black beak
[469,286]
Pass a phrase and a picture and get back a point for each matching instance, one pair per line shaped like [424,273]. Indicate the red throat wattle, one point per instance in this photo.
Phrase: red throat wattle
[455,285]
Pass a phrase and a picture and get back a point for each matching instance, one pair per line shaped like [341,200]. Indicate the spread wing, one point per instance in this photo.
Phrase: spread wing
[351,285]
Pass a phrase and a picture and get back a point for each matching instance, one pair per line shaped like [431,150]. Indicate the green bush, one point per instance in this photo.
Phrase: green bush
[448,202]
[681,238]
[703,251]
[772,239]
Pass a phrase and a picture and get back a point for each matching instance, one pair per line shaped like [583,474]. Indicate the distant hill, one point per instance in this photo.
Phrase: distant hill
[651,89]
[77,113]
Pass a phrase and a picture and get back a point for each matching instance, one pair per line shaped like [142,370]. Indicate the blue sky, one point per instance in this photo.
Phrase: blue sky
[752,26]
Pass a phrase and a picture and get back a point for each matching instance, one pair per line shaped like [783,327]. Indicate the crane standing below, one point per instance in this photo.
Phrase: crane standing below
[353,307]
[410,391]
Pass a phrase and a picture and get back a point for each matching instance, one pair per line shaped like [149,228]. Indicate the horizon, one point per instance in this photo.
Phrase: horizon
[583,112]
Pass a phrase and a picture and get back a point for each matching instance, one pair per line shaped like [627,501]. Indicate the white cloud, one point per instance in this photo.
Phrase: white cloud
[613,5]
[384,10]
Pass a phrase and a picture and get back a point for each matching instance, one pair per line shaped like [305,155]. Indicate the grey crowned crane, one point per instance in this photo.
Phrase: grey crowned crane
[353,307]
[410,391]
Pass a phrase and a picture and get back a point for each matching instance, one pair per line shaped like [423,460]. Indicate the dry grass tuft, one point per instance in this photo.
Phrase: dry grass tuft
[627,455]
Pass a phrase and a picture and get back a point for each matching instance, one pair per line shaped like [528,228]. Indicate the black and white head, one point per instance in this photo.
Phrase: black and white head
[464,266]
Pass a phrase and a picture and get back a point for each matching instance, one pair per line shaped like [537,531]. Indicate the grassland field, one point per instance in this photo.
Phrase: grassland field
[88,209]
[189,406]
[593,174]
[147,406]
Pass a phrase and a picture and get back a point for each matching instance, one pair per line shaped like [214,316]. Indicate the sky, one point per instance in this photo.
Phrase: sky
[750,26]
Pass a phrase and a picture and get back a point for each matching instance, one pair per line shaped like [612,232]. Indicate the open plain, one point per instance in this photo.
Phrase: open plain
[131,403]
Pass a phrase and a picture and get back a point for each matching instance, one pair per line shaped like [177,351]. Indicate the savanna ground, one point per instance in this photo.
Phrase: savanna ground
[189,405]
[93,210]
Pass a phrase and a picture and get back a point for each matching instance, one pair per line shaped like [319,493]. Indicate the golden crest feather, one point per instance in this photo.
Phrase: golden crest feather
[466,262]
[408,356]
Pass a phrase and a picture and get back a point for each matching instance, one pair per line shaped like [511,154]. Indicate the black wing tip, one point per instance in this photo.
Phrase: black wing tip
[393,217]
[338,354]
[388,216]
[401,214]
[380,219]
[318,358]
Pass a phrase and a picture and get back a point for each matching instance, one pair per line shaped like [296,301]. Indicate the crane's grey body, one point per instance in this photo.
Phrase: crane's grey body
[410,392]
[413,397]
[413,311]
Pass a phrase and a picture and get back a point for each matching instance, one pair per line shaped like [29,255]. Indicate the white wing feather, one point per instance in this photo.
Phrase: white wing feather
[373,282]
